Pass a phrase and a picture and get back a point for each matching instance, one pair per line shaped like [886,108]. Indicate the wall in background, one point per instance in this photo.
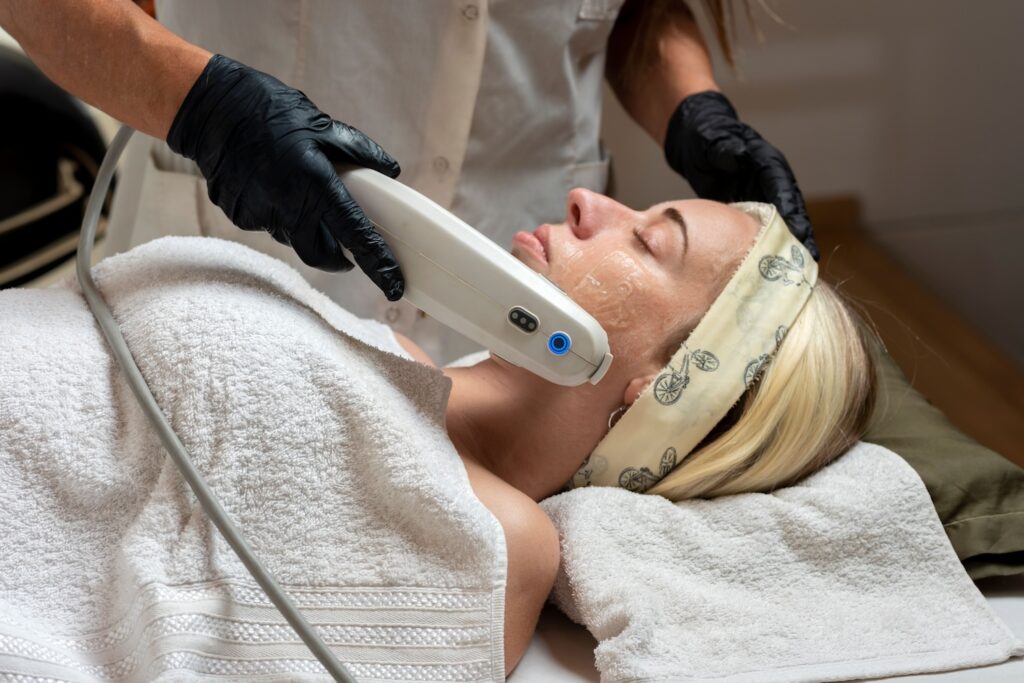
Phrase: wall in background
[914,107]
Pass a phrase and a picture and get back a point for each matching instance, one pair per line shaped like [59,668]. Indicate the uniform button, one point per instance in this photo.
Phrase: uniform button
[392,314]
[471,12]
[441,164]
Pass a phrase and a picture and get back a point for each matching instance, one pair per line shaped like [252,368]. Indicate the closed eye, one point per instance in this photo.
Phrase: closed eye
[639,237]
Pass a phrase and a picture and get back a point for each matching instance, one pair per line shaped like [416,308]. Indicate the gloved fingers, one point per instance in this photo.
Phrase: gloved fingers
[346,143]
[800,225]
[279,234]
[777,184]
[727,160]
[318,248]
[713,170]
[349,225]
[809,242]
[774,179]
[727,154]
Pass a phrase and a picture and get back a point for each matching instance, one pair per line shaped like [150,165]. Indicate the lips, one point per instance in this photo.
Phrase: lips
[543,235]
[535,243]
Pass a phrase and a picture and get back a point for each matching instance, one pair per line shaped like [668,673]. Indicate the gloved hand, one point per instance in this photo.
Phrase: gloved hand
[267,151]
[728,161]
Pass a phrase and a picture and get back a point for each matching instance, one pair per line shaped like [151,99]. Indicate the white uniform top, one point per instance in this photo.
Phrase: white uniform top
[492,108]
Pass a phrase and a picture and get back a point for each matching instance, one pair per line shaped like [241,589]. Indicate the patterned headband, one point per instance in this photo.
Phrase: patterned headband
[718,362]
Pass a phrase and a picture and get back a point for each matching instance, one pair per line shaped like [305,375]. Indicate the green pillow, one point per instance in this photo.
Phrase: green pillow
[978,494]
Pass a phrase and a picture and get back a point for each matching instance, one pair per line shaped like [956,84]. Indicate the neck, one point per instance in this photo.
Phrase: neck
[529,432]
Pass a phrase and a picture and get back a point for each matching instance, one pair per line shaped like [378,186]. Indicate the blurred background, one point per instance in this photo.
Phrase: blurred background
[51,145]
[913,109]
[902,121]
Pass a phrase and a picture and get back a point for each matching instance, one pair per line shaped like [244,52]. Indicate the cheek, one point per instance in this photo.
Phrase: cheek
[569,262]
[613,291]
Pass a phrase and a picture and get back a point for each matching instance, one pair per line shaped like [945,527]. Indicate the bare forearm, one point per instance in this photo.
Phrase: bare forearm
[110,54]
[675,66]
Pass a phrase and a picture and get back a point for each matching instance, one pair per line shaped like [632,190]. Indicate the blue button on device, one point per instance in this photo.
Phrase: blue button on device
[559,343]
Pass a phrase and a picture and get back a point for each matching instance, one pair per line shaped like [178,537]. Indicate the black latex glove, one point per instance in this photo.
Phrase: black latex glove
[267,151]
[728,161]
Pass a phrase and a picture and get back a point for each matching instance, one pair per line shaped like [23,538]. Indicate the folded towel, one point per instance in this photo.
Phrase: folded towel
[326,447]
[846,575]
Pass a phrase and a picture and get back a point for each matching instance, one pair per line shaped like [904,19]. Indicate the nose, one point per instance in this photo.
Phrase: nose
[588,212]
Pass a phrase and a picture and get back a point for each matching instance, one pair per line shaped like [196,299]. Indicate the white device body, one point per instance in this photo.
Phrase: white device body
[467,282]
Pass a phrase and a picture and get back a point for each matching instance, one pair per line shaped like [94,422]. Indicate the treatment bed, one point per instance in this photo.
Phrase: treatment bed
[562,650]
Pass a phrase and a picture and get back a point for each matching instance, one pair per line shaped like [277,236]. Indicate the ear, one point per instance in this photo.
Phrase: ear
[635,387]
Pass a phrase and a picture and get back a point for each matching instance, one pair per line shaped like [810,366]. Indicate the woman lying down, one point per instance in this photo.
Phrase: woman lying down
[735,370]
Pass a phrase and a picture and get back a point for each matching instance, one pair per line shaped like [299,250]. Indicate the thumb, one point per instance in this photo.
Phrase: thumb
[344,143]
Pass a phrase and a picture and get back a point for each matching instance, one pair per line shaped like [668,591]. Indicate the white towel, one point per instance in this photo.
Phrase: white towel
[846,575]
[326,447]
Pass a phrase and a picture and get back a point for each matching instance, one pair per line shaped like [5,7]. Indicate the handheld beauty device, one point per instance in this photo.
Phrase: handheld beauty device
[463,279]
[452,272]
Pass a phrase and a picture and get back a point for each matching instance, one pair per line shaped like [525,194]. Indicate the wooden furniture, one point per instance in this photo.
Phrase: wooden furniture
[957,369]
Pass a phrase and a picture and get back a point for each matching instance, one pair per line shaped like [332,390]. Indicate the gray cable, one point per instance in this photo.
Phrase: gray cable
[170,440]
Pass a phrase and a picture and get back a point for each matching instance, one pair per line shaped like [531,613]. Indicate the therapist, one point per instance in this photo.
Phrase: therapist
[492,107]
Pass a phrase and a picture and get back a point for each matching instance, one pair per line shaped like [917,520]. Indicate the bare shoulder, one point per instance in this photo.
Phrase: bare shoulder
[533,555]
[512,507]
[414,350]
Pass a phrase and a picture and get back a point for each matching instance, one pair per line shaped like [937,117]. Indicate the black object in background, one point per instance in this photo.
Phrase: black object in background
[50,151]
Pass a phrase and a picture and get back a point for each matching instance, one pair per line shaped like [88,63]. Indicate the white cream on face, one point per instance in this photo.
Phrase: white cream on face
[612,290]
[641,301]
[570,253]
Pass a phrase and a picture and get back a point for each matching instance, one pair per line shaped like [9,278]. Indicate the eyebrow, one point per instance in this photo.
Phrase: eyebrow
[677,218]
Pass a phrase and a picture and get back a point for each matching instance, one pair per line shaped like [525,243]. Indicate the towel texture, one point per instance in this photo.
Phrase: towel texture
[847,575]
[324,444]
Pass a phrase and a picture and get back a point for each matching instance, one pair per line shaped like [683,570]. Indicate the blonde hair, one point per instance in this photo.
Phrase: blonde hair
[810,405]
